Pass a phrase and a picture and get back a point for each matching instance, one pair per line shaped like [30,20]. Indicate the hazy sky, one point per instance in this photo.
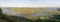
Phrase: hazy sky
[31,3]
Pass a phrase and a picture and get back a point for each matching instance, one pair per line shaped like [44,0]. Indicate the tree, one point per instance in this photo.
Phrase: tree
[57,18]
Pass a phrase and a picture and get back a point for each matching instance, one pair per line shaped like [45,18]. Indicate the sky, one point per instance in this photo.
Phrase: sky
[29,3]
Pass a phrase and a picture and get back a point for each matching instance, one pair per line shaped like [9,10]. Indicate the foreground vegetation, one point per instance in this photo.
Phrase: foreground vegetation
[4,18]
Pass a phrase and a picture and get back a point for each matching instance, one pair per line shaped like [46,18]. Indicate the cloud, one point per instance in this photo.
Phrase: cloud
[30,3]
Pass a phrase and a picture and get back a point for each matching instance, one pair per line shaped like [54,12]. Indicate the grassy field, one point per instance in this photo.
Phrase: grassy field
[5,18]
